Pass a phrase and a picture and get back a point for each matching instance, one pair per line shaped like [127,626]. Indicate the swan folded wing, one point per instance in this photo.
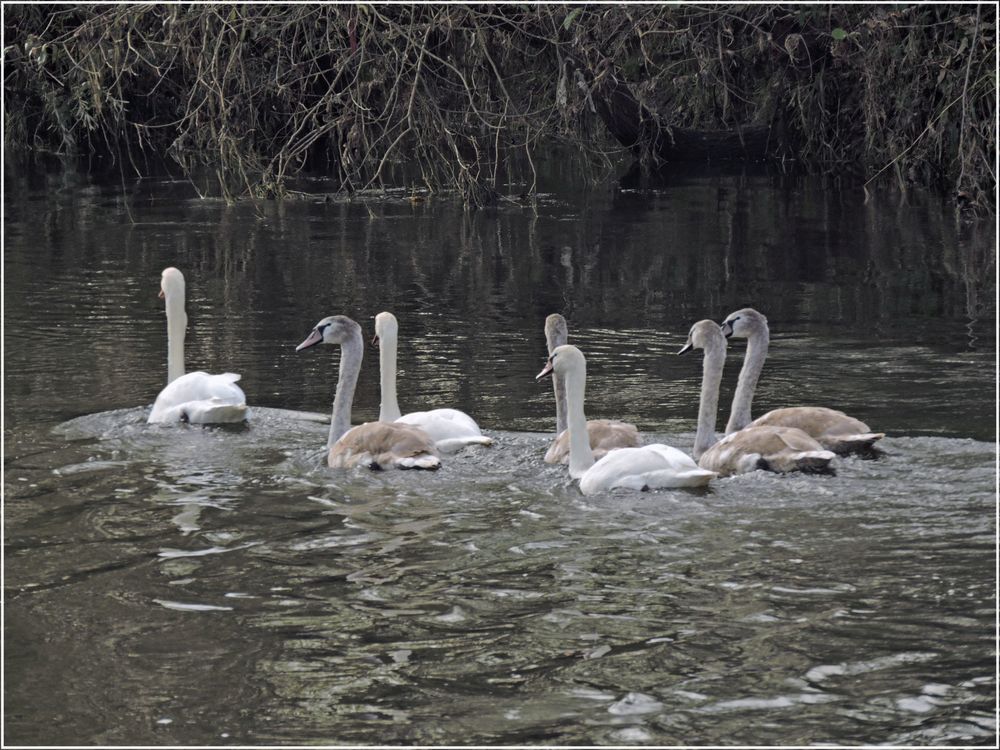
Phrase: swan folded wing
[384,445]
[201,398]
[605,436]
[649,466]
[833,429]
[450,429]
[780,449]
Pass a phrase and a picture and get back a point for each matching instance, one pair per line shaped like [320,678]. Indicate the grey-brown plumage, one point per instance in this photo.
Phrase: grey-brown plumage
[835,430]
[605,434]
[377,445]
[780,449]
[384,445]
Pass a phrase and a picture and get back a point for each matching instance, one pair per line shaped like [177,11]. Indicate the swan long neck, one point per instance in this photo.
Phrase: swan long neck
[176,330]
[557,336]
[753,363]
[389,406]
[351,352]
[708,405]
[580,456]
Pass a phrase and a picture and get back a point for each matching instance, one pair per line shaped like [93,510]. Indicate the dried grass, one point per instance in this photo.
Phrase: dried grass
[258,93]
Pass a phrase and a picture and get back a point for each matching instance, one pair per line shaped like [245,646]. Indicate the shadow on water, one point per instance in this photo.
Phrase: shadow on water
[178,585]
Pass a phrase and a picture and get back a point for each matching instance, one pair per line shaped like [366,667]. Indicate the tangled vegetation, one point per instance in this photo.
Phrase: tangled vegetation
[468,95]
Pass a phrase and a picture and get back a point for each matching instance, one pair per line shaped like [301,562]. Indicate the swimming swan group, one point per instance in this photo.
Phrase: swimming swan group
[602,454]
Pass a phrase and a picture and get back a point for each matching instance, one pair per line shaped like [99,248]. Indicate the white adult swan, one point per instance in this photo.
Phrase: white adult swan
[197,397]
[605,434]
[450,429]
[377,445]
[835,430]
[773,448]
[649,466]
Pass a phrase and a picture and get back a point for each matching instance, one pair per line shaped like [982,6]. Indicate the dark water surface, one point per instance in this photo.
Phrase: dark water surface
[181,585]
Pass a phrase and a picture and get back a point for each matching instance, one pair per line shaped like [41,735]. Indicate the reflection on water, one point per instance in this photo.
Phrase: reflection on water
[219,585]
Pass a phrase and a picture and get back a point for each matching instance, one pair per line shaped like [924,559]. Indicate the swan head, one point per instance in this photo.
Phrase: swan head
[171,284]
[564,359]
[336,329]
[743,323]
[556,331]
[386,328]
[704,334]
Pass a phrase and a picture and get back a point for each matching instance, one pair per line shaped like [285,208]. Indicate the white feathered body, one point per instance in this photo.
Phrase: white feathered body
[647,467]
[200,398]
[450,429]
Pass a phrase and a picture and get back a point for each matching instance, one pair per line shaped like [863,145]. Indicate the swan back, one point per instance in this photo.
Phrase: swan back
[604,435]
[780,449]
[450,429]
[384,445]
[647,467]
[833,429]
[200,398]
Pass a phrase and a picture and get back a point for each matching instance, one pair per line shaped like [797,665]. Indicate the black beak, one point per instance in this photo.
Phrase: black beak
[686,348]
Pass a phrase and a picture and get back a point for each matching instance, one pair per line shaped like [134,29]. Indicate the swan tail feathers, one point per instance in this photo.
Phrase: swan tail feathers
[450,445]
[217,413]
[340,457]
[558,452]
[696,477]
[662,479]
[421,461]
[200,412]
[859,443]
[670,479]
[808,462]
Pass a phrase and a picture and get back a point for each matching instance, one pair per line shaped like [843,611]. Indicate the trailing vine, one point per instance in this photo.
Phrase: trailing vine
[468,95]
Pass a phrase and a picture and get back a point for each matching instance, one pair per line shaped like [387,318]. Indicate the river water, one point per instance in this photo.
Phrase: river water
[188,585]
